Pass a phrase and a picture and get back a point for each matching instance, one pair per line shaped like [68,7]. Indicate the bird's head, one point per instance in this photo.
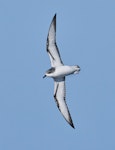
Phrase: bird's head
[49,72]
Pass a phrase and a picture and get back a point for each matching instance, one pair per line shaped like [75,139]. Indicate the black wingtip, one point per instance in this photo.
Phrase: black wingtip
[70,122]
[72,125]
[54,18]
[55,15]
[54,21]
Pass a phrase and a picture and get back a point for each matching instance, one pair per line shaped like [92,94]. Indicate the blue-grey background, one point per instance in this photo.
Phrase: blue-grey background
[29,118]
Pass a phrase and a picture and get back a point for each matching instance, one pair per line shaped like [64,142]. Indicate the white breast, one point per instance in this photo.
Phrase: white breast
[62,71]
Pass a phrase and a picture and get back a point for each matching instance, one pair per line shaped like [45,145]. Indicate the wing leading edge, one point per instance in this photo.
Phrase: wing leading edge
[52,48]
[59,95]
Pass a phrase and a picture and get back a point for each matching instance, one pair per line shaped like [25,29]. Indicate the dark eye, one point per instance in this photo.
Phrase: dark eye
[51,70]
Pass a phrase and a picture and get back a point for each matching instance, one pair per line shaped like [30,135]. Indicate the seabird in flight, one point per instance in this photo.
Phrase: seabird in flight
[58,72]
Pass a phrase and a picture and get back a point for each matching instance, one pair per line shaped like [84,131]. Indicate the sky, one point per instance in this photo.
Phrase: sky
[29,118]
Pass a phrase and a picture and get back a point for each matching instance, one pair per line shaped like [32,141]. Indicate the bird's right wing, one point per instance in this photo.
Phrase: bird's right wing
[59,95]
[52,48]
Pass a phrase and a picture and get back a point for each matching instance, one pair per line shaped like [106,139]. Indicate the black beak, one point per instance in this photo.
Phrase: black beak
[44,76]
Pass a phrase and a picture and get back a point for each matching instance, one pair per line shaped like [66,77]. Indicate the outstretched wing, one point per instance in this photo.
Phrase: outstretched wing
[52,48]
[59,95]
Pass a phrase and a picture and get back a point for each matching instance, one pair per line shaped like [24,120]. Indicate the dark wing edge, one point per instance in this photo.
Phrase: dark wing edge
[59,105]
[51,43]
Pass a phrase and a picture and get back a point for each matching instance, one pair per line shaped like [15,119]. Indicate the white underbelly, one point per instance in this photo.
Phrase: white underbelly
[62,71]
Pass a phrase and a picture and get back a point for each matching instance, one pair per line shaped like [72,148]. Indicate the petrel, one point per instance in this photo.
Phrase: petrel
[58,72]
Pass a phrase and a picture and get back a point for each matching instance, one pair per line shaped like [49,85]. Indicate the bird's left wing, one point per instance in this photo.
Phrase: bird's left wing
[59,95]
[52,48]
